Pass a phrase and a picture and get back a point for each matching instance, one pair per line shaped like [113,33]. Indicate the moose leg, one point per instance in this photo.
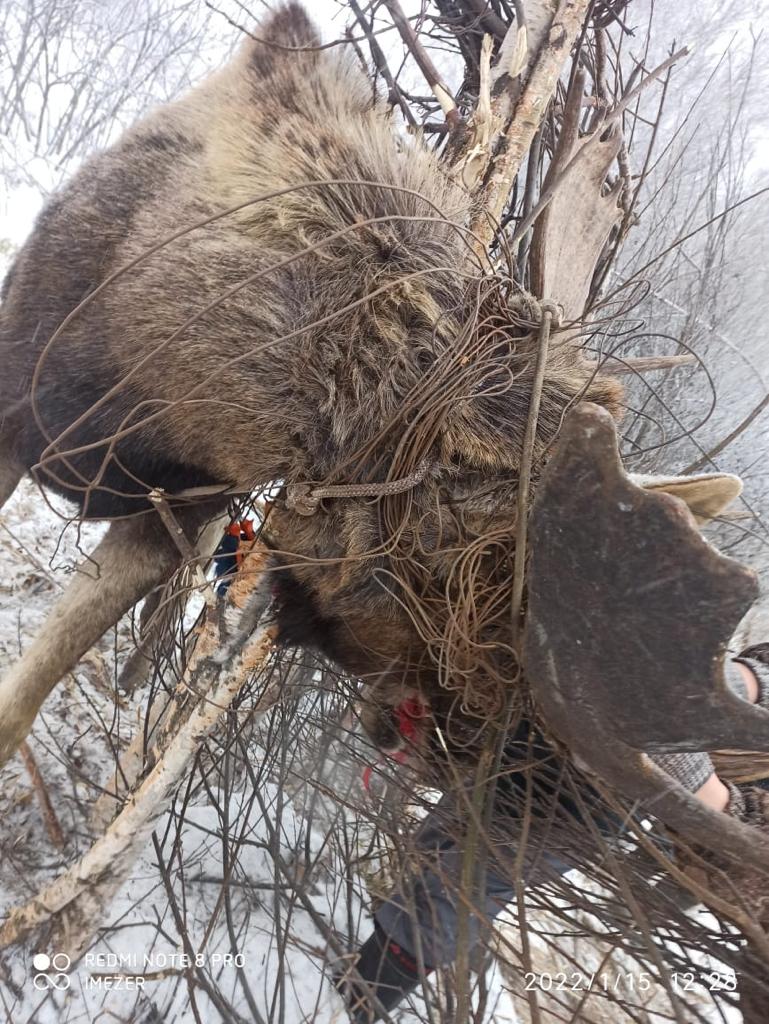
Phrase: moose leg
[11,471]
[134,556]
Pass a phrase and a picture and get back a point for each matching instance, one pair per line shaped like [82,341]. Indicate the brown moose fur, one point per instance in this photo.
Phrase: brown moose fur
[247,391]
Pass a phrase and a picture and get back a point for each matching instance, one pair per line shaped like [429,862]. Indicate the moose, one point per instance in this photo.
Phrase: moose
[314,291]
[262,282]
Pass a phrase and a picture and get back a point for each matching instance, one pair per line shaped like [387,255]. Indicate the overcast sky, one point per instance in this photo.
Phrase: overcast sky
[20,202]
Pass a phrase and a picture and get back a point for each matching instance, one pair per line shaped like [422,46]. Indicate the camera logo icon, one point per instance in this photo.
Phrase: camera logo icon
[51,971]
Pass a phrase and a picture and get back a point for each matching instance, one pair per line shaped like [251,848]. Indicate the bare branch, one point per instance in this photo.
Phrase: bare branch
[642,364]
[529,111]
[74,902]
[424,61]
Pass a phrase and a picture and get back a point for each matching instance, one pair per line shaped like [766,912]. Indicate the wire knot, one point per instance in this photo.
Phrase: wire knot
[301,499]
[548,306]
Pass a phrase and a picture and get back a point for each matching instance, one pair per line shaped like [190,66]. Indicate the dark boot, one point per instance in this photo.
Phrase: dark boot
[389,972]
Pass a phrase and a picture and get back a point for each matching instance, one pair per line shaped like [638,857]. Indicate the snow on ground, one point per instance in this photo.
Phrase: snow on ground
[135,971]
[261,951]
[79,722]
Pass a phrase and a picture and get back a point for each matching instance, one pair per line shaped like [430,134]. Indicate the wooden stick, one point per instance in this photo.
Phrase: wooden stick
[187,549]
[43,798]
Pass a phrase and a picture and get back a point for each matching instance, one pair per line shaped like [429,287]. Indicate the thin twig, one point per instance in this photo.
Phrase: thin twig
[424,61]
[189,552]
[641,364]
[741,427]
[43,798]
[380,63]
[549,314]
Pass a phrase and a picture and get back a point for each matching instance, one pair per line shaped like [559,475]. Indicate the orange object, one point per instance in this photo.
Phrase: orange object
[243,529]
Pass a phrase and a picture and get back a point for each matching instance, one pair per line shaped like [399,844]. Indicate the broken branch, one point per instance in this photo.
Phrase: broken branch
[424,61]
[529,111]
[232,649]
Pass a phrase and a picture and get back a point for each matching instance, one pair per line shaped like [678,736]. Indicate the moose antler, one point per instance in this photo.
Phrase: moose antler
[574,226]
[630,612]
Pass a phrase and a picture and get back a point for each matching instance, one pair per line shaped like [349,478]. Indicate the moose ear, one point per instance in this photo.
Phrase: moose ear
[707,494]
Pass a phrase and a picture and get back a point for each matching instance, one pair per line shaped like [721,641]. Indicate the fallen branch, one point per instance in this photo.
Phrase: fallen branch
[41,793]
[232,645]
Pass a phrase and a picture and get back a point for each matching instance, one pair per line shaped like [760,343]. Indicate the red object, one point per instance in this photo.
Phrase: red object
[408,715]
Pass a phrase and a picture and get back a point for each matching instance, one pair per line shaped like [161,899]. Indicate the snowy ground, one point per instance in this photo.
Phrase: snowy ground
[80,722]
[259,949]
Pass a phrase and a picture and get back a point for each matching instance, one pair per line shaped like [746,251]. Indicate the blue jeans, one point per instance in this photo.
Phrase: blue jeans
[422,914]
